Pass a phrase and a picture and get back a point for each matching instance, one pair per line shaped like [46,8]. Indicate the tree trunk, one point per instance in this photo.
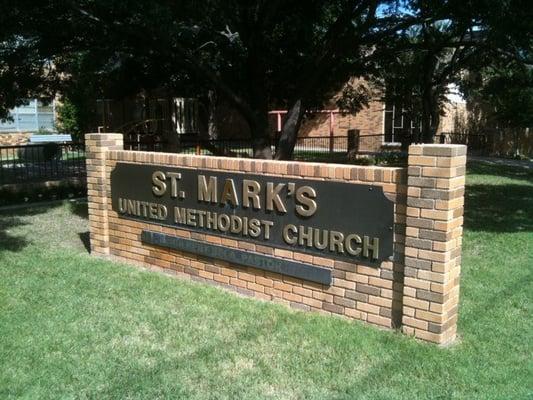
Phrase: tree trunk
[289,132]
[429,103]
[259,130]
[262,149]
[425,132]
[435,119]
[212,129]
[258,100]
[430,118]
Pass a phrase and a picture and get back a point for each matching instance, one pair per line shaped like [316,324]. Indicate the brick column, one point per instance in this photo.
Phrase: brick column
[435,198]
[96,146]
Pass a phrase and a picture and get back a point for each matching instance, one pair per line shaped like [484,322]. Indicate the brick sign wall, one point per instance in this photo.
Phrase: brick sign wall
[415,289]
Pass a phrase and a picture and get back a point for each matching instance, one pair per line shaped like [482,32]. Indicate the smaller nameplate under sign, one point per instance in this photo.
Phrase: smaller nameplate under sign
[259,261]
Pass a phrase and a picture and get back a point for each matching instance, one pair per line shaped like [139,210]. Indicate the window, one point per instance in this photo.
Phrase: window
[30,117]
[397,123]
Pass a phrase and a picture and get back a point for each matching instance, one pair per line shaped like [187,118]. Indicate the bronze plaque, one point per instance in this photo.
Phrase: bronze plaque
[338,220]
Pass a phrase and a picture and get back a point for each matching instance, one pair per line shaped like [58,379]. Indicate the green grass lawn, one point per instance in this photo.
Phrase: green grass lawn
[73,326]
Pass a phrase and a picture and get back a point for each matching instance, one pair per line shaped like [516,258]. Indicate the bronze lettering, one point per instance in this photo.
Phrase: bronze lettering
[320,245]
[336,242]
[250,191]
[374,247]
[133,207]
[266,227]
[348,244]
[211,220]
[305,196]
[122,205]
[159,186]
[191,217]
[273,199]
[143,206]
[201,218]
[207,191]
[174,176]
[236,224]
[224,222]
[305,238]
[255,227]
[290,239]
[153,210]
[245,226]
[229,194]
[162,212]
[180,215]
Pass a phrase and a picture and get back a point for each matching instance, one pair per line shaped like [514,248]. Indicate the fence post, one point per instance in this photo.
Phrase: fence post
[435,198]
[331,131]
[198,147]
[279,123]
[96,146]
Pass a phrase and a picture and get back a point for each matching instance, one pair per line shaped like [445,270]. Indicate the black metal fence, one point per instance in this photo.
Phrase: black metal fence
[158,146]
[321,148]
[477,144]
[219,147]
[306,148]
[326,148]
[41,162]
[60,162]
[54,161]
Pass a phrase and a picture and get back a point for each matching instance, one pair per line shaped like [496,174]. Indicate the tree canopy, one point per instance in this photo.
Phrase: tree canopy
[255,54]
[418,68]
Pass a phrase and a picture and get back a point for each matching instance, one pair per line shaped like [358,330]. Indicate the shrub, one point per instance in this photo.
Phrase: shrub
[36,192]
[357,159]
[386,158]
[68,116]
[391,159]
[363,161]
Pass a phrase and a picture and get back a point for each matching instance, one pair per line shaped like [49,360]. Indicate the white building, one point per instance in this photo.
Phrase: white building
[32,117]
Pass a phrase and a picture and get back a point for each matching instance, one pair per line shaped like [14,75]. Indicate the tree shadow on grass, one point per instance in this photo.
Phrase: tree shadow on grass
[9,241]
[86,240]
[499,208]
[12,219]
[79,208]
